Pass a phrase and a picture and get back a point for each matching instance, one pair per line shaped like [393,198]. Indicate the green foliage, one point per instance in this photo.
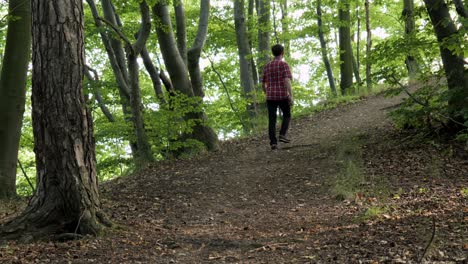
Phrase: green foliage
[373,212]
[464,192]
[425,108]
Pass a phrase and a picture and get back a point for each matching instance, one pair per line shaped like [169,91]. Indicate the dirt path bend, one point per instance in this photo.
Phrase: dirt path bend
[248,204]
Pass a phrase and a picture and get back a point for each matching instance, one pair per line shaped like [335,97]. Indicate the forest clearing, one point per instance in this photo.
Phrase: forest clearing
[248,204]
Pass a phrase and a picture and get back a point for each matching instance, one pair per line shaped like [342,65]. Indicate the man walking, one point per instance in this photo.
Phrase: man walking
[276,83]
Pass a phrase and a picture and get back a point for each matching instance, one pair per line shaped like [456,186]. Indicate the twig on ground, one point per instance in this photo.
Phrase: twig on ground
[430,241]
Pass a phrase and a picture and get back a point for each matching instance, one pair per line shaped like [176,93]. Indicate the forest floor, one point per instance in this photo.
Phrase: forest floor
[349,188]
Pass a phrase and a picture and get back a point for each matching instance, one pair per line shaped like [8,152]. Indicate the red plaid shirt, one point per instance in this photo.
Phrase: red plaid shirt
[273,75]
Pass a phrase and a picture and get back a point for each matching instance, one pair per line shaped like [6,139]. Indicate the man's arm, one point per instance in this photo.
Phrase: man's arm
[287,82]
[264,86]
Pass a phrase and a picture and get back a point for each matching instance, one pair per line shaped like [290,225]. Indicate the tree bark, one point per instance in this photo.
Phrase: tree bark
[250,31]
[13,92]
[127,75]
[461,9]
[368,47]
[153,72]
[264,31]
[194,52]
[453,64]
[247,82]
[323,46]
[357,75]
[179,74]
[181,31]
[408,16]
[144,154]
[67,197]
[346,51]
[116,57]
[94,82]
[285,27]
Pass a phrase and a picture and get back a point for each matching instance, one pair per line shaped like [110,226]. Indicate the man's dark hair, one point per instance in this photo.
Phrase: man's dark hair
[277,50]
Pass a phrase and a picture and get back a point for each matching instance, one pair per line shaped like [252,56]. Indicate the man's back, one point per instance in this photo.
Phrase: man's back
[274,75]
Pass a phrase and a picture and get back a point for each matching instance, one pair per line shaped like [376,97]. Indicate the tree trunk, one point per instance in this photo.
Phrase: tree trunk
[285,28]
[357,75]
[127,76]
[194,52]
[408,16]
[461,9]
[356,59]
[181,31]
[453,64]
[67,197]
[13,91]
[358,40]
[179,74]
[264,30]
[93,79]
[144,155]
[368,48]
[250,30]
[116,57]
[244,54]
[323,47]
[346,51]
[153,72]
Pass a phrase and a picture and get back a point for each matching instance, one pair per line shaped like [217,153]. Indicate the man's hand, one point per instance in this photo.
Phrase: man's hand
[291,100]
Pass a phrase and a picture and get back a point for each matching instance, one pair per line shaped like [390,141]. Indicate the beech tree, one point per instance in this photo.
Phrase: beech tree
[247,82]
[453,62]
[188,81]
[408,16]
[67,197]
[126,71]
[346,51]
[368,47]
[323,48]
[264,30]
[13,91]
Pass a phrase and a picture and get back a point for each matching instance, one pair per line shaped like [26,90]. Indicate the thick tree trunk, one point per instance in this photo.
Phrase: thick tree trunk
[368,47]
[453,64]
[323,47]
[461,8]
[346,51]
[67,197]
[247,82]
[408,16]
[181,31]
[264,30]
[13,91]
[179,74]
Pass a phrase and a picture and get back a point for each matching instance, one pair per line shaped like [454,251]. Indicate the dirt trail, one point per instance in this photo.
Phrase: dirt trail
[248,204]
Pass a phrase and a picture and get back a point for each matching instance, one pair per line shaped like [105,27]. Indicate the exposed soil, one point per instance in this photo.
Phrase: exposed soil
[248,204]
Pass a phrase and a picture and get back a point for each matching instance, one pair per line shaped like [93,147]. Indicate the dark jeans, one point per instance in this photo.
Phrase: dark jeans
[272,108]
